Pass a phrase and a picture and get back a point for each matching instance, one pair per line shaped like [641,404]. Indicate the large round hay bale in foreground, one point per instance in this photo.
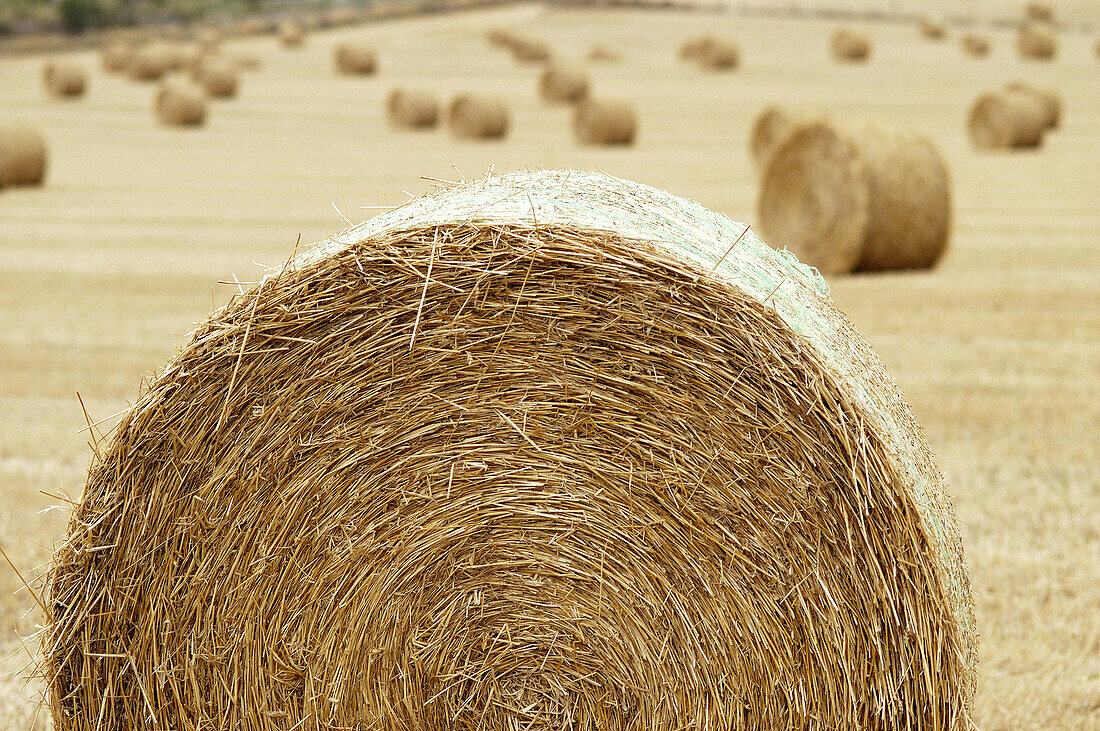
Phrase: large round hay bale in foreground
[1007,119]
[355,59]
[179,103]
[1036,41]
[473,116]
[22,156]
[974,44]
[561,83]
[150,62]
[772,128]
[605,122]
[64,79]
[857,199]
[217,77]
[554,450]
[292,35]
[412,109]
[116,56]
[848,45]
[1049,99]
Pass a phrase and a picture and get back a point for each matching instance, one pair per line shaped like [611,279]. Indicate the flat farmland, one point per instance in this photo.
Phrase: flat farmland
[105,269]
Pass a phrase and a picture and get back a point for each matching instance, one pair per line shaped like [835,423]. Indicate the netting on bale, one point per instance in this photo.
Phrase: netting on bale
[552,450]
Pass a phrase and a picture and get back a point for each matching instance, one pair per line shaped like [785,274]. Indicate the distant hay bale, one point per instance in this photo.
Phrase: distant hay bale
[116,56]
[562,83]
[184,56]
[150,62]
[975,45]
[1036,41]
[773,126]
[22,156]
[180,103]
[603,122]
[1049,99]
[244,61]
[500,38]
[64,79]
[477,117]
[292,35]
[1007,119]
[551,451]
[709,52]
[859,199]
[355,59]
[529,50]
[600,53]
[217,77]
[933,30]
[1039,11]
[848,45]
[412,109]
[692,48]
[209,40]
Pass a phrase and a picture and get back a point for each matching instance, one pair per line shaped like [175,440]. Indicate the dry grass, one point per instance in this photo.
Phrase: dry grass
[997,349]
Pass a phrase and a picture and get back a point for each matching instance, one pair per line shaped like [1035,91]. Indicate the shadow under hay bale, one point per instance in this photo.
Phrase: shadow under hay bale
[563,84]
[355,59]
[179,103]
[603,122]
[217,77]
[518,409]
[975,45]
[848,45]
[64,80]
[1036,41]
[115,57]
[408,109]
[773,126]
[857,199]
[1007,119]
[22,156]
[292,35]
[474,116]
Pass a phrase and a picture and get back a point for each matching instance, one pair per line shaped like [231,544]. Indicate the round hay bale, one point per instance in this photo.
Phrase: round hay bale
[412,109]
[600,53]
[860,199]
[244,61]
[184,56]
[602,122]
[975,45]
[773,126]
[693,48]
[22,156]
[1036,41]
[518,455]
[209,40]
[292,35]
[217,77]
[116,56]
[719,55]
[500,38]
[1039,11]
[180,104]
[1007,119]
[529,50]
[473,116]
[150,62]
[848,45]
[355,59]
[1050,101]
[932,30]
[563,84]
[64,79]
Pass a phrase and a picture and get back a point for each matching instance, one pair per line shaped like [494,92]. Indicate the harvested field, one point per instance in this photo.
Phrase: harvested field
[105,268]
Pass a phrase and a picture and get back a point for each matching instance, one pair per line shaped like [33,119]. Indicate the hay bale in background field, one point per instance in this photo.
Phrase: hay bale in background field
[292,35]
[618,438]
[773,126]
[933,30]
[603,122]
[1036,41]
[1007,119]
[244,61]
[529,50]
[22,156]
[692,48]
[1049,99]
[857,199]
[150,62]
[179,103]
[355,59]
[1039,11]
[848,45]
[719,54]
[600,53]
[474,116]
[64,79]
[209,40]
[412,109]
[562,83]
[217,77]
[500,38]
[183,56]
[974,44]
[116,56]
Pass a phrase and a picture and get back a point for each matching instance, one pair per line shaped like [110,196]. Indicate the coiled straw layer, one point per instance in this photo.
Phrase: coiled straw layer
[861,198]
[548,451]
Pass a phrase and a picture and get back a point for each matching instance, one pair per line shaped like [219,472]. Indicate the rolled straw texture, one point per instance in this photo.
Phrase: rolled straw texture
[1008,119]
[412,109]
[563,84]
[477,117]
[22,156]
[848,45]
[604,122]
[553,450]
[64,79]
[861,198]
[773,126]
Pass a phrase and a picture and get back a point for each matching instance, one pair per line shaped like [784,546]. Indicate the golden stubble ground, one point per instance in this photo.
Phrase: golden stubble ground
[103,271]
